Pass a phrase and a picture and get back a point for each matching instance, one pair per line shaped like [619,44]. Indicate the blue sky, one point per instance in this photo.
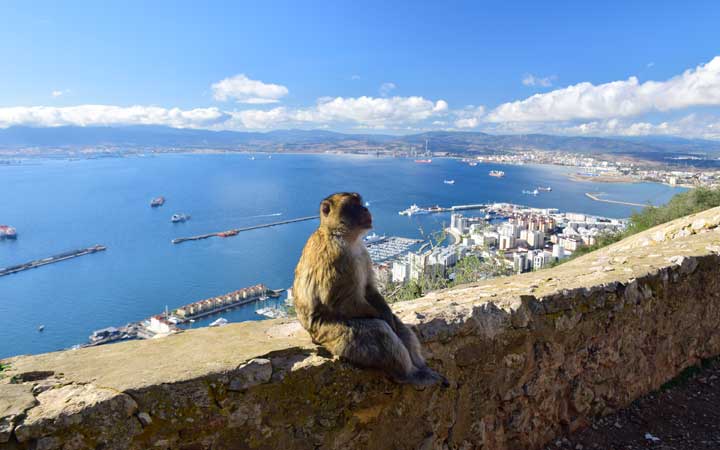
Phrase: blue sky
[443,65]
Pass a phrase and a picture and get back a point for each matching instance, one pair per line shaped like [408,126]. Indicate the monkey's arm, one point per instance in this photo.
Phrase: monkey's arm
[378,302]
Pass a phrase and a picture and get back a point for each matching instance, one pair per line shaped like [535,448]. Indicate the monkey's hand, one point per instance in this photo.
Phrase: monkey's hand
[378,302]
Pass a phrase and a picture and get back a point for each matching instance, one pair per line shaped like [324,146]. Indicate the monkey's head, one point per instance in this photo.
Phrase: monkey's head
[344,213]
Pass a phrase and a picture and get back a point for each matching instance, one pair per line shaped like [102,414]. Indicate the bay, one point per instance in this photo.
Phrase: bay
[59,205]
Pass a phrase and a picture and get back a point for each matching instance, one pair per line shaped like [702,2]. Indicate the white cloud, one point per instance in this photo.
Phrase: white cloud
[244,90]
[366,112]
[692,126]
[695,87]
[60,93]
[105,115]
[532,80]
[469,117]
[386,88]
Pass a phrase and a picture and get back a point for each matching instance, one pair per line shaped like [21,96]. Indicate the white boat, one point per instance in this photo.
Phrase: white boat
[544,188]
[179,218]
[271,312]
[449,181]
[41,328]
[413,210]
[533,192]
[373,237]
[219,322]
[496,173]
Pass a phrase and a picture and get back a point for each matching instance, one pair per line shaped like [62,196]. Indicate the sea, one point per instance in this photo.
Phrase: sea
[59,205]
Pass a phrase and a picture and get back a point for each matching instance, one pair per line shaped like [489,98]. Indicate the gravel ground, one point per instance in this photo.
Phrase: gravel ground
[683,415]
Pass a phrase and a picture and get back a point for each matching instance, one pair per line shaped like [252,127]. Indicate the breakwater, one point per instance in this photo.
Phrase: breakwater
[52,259]
[595,196]
[235,231]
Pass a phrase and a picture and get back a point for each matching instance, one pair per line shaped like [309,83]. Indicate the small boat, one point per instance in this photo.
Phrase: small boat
[449,181]
[219,322]
[252,158]
[7,232]
[373,237]
[271,312]
[533,192]
[544,188]
[472,164]
[41,328]
[496,173]
[176,218]
[423,161]
[157,201]
[413,209]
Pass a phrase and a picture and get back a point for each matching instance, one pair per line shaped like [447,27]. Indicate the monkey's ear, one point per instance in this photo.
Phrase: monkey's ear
[325,207]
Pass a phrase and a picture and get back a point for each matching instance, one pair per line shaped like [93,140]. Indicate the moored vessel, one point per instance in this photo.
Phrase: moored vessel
[7,232]
[219,322]
[413,210]
[176,218]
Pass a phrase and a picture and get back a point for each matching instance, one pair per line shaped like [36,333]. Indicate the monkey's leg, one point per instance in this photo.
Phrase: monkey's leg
[368,343]
[412,343]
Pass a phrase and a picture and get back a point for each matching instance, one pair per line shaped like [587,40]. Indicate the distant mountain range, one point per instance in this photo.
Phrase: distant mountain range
[158,137]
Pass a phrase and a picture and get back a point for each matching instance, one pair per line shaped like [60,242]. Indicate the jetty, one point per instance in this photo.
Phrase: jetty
[236,231]
[52,259]
[594,196]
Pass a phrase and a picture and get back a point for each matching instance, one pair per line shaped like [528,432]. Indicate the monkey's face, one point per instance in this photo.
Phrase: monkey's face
[345,211]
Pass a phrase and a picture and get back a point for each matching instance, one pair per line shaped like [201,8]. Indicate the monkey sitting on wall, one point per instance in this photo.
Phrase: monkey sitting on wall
[338,303]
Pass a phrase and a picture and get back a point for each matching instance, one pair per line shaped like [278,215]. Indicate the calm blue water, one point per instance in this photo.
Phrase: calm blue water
[63,205]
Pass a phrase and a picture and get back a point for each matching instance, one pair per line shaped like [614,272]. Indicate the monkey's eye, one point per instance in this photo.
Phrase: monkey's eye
[325,209]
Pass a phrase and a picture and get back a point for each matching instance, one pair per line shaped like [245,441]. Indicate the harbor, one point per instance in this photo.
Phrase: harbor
[415,209]
[171,321]
[52,259]
[236,231]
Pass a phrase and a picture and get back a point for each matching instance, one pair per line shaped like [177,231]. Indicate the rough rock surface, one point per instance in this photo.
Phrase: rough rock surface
[529,358]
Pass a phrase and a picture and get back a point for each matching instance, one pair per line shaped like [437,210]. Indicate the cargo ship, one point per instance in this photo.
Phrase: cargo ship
[496,173]
[7,232]
[157,201]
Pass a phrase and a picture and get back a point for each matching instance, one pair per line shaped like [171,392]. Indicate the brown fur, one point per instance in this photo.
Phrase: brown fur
[338,303]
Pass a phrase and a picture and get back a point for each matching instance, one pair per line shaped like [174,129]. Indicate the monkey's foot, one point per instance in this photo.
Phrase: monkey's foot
[424,377]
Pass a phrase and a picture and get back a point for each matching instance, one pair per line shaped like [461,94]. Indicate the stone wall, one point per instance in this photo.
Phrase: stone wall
[527,356]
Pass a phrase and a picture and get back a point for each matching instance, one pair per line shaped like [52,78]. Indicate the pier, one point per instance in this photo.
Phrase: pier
[594,196]
[235,231]
[52,259]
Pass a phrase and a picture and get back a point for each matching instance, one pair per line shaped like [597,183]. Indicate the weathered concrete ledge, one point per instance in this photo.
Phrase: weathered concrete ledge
[527,356]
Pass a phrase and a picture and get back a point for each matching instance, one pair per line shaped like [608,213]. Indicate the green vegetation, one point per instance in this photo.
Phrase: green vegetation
[3,368]
[690,202]
[469,269]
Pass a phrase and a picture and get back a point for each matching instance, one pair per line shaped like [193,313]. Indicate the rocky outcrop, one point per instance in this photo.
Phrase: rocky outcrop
[528,357]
